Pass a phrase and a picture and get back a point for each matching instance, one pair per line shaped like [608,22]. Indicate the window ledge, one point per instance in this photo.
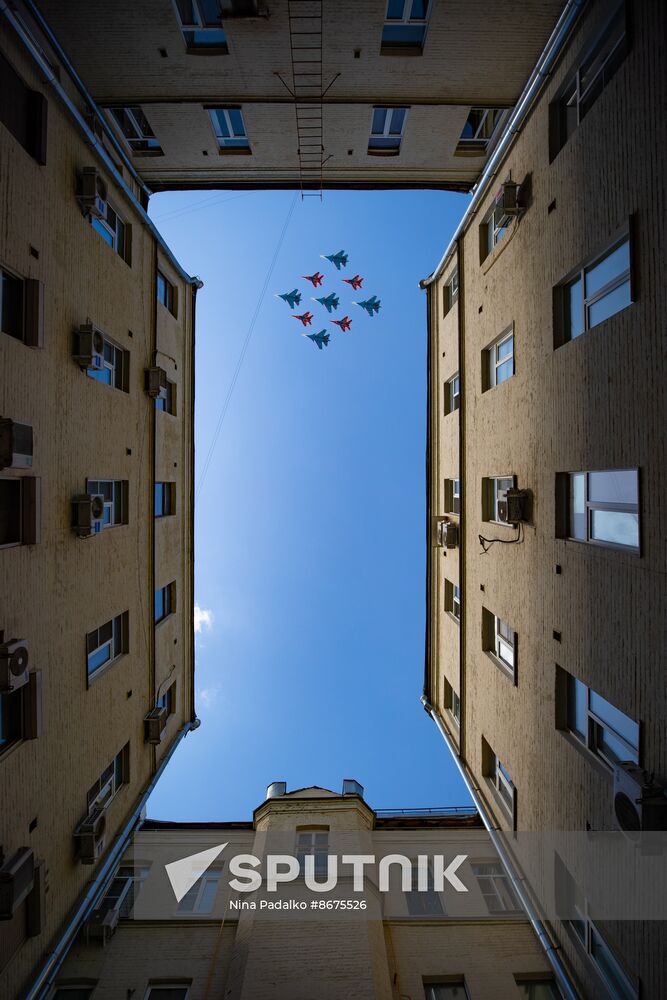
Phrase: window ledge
[503,667]
[207,50]
[383,152]
[491,258]
[451,615]
[588,754]
[397,49]
[92,678]
[502,811]
[234,150]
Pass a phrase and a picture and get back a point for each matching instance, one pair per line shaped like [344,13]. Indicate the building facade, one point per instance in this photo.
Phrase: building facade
[289,93]
[427,945]
[96,633]
[546,538]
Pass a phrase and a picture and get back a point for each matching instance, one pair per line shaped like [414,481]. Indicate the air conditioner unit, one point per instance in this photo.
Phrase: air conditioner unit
[89,836]
[102,924]
[92,194]
[154,724]
[16,881]
[448,534]
[14,662]
[15,445]
[514,506]
[639,802]
[89,352]
[508,199]
[156,383]
[87,514]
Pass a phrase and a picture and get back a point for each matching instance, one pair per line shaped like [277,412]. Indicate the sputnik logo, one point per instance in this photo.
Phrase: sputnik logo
[186,871]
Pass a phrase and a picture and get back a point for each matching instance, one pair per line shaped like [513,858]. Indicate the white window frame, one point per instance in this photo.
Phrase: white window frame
[385,134]
[495,361]
[596,725]
[197,893]
[114,644]
[114,365]
[479,141]
[232,141]
[578,280]
[114,506]
[496,491]
[110,781]
[451,291]
[496,885]
[497,223]
[200,26]
[307,844]
[115,236]
[590,506]
[134,877]
[392,22]
[414,896]
[452,703]
[500,780]
[141,141]
[504,648]
[453,394]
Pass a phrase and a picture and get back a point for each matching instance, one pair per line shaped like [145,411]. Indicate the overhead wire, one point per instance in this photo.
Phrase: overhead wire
[225,406]
[217,199]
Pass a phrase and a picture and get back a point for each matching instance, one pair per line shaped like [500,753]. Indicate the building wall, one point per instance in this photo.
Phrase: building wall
[594,403]
[54,592]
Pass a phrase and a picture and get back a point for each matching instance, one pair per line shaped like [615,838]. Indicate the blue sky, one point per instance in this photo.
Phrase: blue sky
[309,556]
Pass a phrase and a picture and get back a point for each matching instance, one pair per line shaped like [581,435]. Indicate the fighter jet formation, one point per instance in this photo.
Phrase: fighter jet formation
[331,301]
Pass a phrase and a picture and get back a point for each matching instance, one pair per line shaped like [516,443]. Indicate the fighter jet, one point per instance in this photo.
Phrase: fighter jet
[356,282]
[292,298]
[329,301]
[371,305]
[315,278]
[345,323]
[321,339]
[339,259]
[305,318]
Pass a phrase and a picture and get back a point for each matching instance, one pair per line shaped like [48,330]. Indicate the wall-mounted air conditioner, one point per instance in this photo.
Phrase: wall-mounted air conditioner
[15,445]
[92,195]
[448,534]
[87,514]
[154,724]
[640,803]
[17,878]
[156,383]
[513,505]
[508,199]
[102,924]
[89,347]
[14,662]
[89,836]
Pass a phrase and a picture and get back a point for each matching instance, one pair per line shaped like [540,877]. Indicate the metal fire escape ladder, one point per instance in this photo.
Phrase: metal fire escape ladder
[305,28]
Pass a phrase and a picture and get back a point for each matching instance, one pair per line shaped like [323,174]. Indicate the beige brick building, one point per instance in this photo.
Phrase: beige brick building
[274,94]
[435,947]
[546,367]
[95,507]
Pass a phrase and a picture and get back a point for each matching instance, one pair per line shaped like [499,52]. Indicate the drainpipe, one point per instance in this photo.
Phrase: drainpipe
[92,140]
[539,76]
[561,974]
[47,974]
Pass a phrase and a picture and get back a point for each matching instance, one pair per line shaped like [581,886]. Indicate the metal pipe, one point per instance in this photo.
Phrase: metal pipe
[560,973]
[49,77]
[45,977]
[539,75]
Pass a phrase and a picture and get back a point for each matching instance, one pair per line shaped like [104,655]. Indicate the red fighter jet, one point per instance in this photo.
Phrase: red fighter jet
[306,318]
[356,282]
[315,278]
[345,323]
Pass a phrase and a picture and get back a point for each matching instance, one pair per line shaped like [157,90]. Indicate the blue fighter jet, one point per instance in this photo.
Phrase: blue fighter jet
[339,259]
[329,301]
[371,305]
[291,298]
[321,339]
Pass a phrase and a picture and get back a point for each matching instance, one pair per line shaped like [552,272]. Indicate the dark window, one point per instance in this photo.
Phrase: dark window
[137,131]
[11,718]
[106,643]
[165,496]
[115,232]
[405,26]
[166,293]
[387,126]
[165,602]
[10,512]
[168,699]
[112,777]
[201,24]
[479,129]
[229,128]
[167,403]
[425,902]
[11,305]
[23,112]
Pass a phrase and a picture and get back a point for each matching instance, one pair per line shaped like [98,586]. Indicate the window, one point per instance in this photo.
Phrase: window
[115,494]
[537,988]
[387,126]
[165,602]
[165,499]
[499,778]
[452,703]
[595,722]
[453,600]
[201,897]
[19,511]
[23,112]
[496,887]
[494,493]
[135,127]
[124,890]
[575,912]
[112,368]
[599,290]
[450,292]
[21,308]
[479,129]
[455,990]
[106,643]
[113,231]
[168,699]
[494,226]
[112,777]
[20,712]
[452,496]
[167,403]
[405,27]
[602,508]
[499,638]
[166,293]
[75,992]
[589,80]
[498,361]
[202,25]
[313,842]
[452,394]
[167,991]
[229,129]
[425,902]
